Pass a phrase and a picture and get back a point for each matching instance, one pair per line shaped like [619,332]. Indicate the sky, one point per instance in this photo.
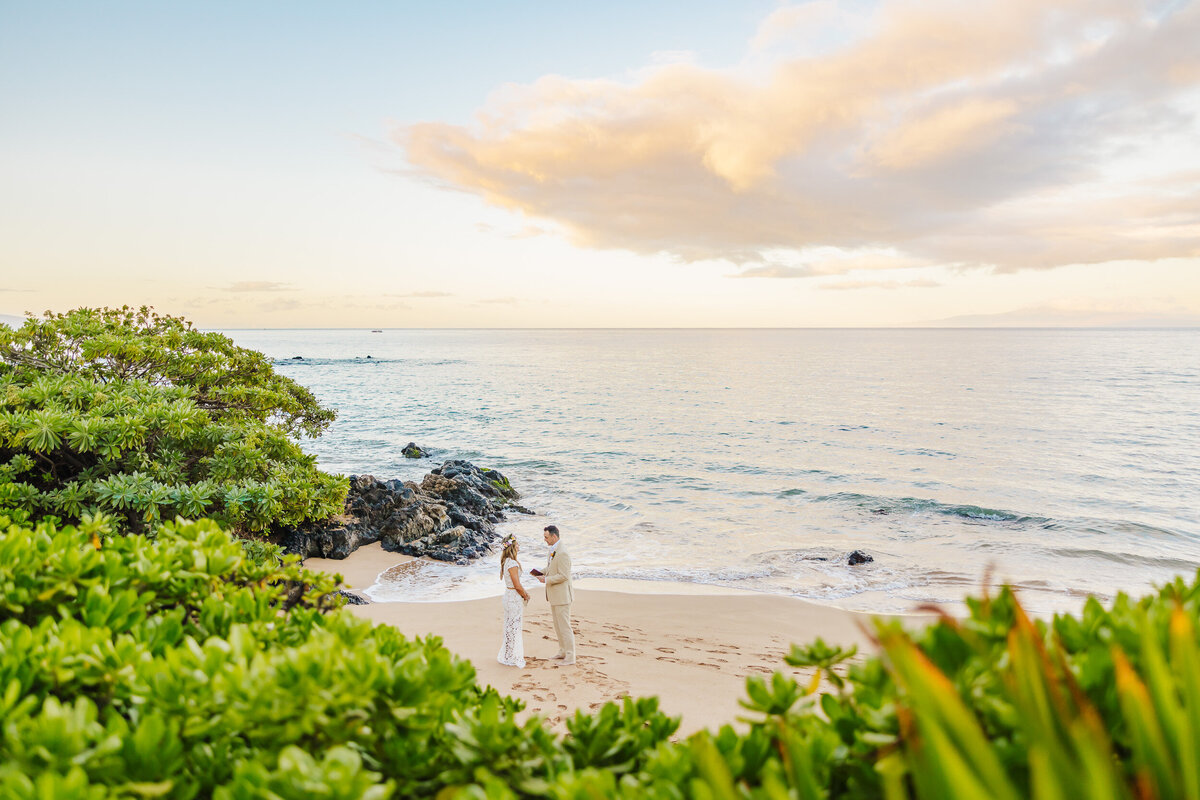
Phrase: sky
[618,164]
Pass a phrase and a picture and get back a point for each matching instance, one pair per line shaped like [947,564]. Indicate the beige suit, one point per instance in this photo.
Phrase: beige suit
[560,594]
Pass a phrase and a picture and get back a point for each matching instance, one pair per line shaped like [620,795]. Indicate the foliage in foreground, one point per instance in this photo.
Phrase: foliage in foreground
[142,417]
[183,668]
[144,668]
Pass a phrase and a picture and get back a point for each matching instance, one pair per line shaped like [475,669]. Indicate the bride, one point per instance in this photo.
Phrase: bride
[512,646]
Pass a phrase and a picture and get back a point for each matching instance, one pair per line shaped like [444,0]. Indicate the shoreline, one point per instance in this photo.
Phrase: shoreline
[691,650]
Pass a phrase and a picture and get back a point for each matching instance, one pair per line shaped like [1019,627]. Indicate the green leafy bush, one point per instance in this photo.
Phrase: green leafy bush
[142,417]
[1104,704]
[183,667]
[169,667]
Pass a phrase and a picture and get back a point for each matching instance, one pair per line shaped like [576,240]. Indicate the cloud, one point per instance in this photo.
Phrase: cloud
[356,303]
[421,294]
[199,302]
[998,133]
[282,305]
[672,57]
[825,262]
[775,271]
[791,26]
[919,283]
[258,286]
[972,124]
[506,301]
[525,232]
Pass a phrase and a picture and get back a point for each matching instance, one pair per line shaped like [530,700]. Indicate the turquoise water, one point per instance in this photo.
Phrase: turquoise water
[1065,462]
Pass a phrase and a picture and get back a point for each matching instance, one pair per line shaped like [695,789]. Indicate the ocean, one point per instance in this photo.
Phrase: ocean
[1063,462]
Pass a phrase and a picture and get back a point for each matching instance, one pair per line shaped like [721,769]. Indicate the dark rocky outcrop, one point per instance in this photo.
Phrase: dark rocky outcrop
[449,516]
[353,599]
[411,450]
[858,557]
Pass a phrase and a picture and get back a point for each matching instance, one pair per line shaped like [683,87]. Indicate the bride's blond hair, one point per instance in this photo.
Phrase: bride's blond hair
[510,551]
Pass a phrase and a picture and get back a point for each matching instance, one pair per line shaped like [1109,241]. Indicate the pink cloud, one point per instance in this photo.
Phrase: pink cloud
[928,128]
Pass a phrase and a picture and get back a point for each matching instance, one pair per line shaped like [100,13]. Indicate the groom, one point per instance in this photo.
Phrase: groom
[557,578]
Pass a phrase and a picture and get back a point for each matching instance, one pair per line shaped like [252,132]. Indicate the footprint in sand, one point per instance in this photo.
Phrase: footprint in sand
[664,650]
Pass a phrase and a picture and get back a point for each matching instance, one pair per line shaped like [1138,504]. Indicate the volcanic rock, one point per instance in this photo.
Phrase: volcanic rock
[449,516]
[411,450]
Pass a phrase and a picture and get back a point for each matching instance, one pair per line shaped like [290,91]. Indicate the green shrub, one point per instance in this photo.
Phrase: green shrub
[169,666]
[186,667]
[142,417]
[1104,704]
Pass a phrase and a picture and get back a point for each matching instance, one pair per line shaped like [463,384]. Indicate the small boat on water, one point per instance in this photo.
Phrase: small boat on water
[376,331]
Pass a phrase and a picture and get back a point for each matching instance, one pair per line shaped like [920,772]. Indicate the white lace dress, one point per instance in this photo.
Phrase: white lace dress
[512,646]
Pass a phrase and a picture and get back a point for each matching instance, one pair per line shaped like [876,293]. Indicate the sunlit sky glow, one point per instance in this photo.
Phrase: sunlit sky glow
[628,164]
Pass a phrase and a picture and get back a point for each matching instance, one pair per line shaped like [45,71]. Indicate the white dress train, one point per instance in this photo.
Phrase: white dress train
[512,646]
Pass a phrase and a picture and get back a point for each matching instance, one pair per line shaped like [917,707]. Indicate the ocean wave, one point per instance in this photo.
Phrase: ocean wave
[318,361]
[718,577]
[843,592]
[422,580]
[739,469]
[883,506]
[985,584]
[1127,559]
[926,451]
[536,464]
[814,555]
[306,361]
[1134,529]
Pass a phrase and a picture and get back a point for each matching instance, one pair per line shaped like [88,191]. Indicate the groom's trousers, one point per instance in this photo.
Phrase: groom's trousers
[562,629]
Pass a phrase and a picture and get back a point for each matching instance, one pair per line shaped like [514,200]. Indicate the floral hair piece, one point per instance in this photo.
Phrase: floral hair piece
[507,540]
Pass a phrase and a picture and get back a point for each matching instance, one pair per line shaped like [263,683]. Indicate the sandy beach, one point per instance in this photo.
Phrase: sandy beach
[694,651]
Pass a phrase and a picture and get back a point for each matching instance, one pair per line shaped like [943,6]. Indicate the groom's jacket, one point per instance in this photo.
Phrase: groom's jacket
[558,578]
